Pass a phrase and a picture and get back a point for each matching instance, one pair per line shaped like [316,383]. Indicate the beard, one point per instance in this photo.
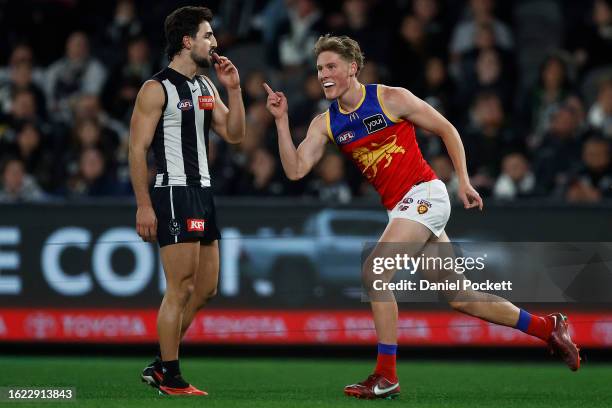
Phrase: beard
[201,62]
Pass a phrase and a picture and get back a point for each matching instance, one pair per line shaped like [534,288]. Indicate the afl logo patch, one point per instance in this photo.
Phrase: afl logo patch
[346,137]
[174,227]
[185,104]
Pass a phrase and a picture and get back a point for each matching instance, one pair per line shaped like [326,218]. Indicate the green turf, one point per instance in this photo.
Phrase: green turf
[114,382]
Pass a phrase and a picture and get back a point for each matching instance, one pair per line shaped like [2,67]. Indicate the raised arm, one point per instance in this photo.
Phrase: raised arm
[401,103]
[228,123]
[147,111]
[296,162]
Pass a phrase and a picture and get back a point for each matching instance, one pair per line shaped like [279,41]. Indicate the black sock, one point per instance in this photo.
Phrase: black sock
[171,368]
[157,365]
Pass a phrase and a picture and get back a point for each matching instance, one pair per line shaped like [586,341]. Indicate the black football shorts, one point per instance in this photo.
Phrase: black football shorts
[184,214]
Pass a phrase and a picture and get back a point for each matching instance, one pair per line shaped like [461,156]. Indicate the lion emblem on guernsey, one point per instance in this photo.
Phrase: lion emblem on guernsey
[370,157]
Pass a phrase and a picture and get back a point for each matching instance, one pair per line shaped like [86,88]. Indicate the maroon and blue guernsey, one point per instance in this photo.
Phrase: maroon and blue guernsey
[383,147]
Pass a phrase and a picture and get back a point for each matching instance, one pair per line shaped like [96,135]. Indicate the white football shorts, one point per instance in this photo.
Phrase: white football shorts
[427,203]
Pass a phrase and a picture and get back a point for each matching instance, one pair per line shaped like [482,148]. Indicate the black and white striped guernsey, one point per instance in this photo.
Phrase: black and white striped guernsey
[180,143]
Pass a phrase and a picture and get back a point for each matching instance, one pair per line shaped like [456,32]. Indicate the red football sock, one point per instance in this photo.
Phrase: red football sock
[541,327]
[385,366]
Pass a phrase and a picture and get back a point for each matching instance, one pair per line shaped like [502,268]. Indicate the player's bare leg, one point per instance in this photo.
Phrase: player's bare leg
[483,305]
[204,282]
[385,312]
[383,383]
[552,329]
[180,263]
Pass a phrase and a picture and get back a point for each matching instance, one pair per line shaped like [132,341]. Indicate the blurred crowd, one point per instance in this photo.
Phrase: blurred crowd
[528,84]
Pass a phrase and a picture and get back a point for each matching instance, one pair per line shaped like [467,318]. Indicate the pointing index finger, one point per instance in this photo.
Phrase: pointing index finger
[268,89]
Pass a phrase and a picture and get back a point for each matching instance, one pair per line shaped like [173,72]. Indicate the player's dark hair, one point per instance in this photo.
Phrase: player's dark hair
[181,22]
[343,45]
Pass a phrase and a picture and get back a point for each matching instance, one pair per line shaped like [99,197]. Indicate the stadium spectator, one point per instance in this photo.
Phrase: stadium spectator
[309,104]
[21,80]
[23,109]
[22,53]
[88,107]
[429,14]
[124,26]
[31,148]
[410,53]
[292,45]
[236,20]
[552,88]
[591,45]
[439,88]
[253,91]
[479,11]
[474,62]
[262,176]
[443,167]
[488,75]
[516,179]
[592,180]
[72,75]
[359,21]
[42,127]
[330,186]
[125,80]
[17,185]
[559,150]
[371,73]
[488,139]
[600,114]
[92,178]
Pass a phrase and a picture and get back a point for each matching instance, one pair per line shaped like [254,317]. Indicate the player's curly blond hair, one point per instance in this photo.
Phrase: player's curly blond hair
[343,45]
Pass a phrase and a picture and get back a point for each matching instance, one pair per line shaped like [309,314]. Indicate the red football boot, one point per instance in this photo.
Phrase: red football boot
[560,342]
[178,386]
[375,386]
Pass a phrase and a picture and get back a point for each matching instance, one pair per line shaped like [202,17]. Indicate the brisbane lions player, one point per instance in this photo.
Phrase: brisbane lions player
[374,126]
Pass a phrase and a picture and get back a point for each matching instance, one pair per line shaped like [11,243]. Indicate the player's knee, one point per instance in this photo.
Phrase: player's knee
[211,293]
[367,280]
[460,306]
[205,297]
[182,294]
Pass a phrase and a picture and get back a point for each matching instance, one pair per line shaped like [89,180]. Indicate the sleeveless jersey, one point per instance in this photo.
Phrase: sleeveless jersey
[383,147]
[180,142]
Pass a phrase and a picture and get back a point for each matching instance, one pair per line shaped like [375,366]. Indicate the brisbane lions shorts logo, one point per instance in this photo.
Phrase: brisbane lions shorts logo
[423,207]
[185,104]
[195,225]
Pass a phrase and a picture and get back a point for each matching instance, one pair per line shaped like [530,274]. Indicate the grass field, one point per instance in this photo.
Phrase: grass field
[114,382]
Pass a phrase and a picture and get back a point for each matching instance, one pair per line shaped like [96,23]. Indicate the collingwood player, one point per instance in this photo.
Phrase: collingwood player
[174,112]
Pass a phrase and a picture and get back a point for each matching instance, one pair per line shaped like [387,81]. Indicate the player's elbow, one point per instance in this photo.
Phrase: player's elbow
[293,176]
[235,137]
[449,132]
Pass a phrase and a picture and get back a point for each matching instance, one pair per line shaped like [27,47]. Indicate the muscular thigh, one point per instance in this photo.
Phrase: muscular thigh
[180,262]
[401,237]
[207,275]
